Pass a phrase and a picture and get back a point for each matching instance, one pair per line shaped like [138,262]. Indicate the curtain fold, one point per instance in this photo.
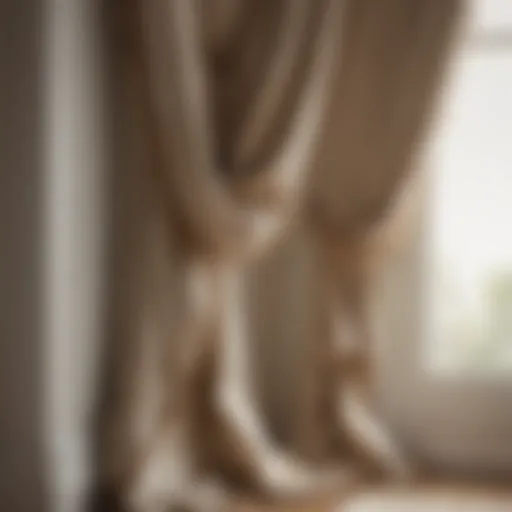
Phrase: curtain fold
[205,210]
[249,126]
[394,58]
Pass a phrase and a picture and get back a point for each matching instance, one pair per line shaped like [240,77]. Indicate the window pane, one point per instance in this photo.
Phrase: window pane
[470,295]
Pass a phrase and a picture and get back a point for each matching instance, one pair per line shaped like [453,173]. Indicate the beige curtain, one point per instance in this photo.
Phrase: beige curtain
[394,57]
[258,143]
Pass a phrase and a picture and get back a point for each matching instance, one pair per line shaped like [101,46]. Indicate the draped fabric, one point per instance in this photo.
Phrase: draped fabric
[236,122]
[394,56]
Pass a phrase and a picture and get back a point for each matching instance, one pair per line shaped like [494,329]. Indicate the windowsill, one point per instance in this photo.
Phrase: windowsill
[446,496]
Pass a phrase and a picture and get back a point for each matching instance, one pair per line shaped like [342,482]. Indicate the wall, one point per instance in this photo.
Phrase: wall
[21,409]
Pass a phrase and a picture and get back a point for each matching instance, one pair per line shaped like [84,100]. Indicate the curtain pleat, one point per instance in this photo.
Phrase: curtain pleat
[248,126]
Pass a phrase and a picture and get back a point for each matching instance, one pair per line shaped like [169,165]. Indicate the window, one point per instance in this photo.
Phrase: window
[470,240]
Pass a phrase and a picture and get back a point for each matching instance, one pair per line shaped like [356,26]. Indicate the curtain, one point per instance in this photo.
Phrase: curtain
[394,56]
[257,144]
